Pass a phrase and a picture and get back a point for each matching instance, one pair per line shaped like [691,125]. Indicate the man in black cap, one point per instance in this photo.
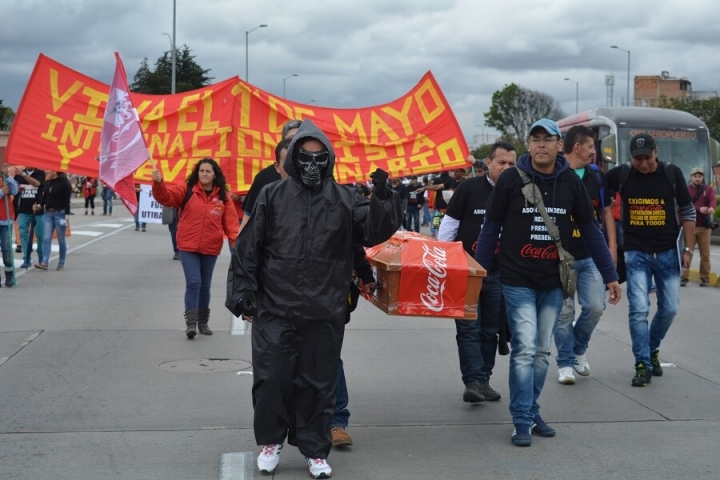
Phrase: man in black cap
[650,189]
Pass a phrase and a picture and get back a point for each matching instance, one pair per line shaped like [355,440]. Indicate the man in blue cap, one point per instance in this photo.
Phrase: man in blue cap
[529,264]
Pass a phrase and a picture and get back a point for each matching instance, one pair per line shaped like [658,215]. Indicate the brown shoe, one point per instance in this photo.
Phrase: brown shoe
[340,438]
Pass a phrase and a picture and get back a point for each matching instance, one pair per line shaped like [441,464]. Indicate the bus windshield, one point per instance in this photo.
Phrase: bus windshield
[686,148]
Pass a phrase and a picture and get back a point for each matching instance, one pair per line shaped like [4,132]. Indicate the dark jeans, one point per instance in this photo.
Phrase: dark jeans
[198,270]
[173,233]
[342,414]
[413,218]
[90,201]
[477,340]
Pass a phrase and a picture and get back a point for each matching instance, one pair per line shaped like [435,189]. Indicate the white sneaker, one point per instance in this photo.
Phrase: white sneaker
[318,468]
[581,365]
[269,457]
[565,376]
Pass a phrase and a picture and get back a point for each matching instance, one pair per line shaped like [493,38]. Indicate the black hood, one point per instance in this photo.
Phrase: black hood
[308,130]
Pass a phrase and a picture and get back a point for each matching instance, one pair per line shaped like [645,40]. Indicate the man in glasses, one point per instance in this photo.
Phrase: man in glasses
[290,271]
[650,190]
[529,264]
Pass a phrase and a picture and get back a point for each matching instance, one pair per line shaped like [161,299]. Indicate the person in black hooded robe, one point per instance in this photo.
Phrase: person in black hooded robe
[289,274]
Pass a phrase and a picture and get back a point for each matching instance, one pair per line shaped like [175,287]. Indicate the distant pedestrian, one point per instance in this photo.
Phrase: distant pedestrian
[704,201]
[30,182]
[57,191]
[90,185]
[8,188]
[107,197]
[206,217]
[138,224]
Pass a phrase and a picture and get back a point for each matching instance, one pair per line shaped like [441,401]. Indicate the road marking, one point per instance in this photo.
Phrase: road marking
[87,233]
[237,466]
[3,360]
[109,225]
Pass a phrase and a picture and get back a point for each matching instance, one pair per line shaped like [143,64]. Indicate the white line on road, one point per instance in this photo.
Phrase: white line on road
[237,466]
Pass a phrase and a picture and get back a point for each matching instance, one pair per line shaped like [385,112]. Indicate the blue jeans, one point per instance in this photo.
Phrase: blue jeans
[137,219]
[107,206]
[477,339]
[665,268]
[342,414]
[173,232]
[198,270]
[532,316]
[571,341]
[6,248]
[413,218]
[426,213]
[24,222]
[54,221]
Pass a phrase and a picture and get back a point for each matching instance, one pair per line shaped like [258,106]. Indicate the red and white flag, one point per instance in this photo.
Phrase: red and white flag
[122,145]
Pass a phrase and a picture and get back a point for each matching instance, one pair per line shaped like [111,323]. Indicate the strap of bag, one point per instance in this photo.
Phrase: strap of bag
[534,196]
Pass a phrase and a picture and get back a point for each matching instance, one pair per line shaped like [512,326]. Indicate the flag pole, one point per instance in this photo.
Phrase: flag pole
[9,229]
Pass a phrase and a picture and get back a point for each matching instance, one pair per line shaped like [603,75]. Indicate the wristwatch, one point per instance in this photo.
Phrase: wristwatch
[687,250]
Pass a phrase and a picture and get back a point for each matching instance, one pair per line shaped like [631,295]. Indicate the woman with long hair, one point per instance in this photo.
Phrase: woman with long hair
[206,213]
[56,204]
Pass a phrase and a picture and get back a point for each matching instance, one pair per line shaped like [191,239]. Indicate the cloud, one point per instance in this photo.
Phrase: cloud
[354,54]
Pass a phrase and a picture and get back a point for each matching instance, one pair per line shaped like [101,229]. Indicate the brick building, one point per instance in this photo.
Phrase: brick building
[649,89]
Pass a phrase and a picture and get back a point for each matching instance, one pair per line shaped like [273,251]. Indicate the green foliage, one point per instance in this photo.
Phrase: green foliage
[6,117]
[514,109]
[706,110]
[188,74]
[717,212]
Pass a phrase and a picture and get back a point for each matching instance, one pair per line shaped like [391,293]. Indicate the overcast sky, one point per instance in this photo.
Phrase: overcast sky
[368,52]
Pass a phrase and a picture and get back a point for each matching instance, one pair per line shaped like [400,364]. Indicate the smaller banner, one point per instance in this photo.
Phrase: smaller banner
[149,210]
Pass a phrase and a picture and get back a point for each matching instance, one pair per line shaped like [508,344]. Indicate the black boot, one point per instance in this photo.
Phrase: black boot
[191,323]
[203,318]
[9,280]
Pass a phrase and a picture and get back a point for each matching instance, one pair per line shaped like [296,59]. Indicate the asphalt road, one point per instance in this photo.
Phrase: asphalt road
[97,381]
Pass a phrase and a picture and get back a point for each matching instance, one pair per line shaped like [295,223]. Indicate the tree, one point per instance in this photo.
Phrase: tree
[6,117]
[514,109]
[706,110]
[188,74]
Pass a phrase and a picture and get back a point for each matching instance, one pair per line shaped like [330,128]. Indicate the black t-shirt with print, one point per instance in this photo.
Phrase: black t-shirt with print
[592,185]
[28,194]
[648,208]
[468,205]
[528,256]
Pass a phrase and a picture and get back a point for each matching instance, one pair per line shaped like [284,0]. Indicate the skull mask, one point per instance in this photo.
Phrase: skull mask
[312,166]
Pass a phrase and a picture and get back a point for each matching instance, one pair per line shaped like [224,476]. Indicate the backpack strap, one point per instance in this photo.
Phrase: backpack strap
[598,179]
[188,194]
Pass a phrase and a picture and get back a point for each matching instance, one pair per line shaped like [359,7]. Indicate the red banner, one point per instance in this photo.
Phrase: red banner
[58,124]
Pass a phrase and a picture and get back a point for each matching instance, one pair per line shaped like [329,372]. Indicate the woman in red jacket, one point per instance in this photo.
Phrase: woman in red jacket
[205,215]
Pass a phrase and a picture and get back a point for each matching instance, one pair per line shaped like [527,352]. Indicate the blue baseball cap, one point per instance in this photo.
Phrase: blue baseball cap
[548,125]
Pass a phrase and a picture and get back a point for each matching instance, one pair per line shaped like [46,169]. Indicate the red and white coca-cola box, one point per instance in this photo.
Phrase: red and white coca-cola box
[421,276]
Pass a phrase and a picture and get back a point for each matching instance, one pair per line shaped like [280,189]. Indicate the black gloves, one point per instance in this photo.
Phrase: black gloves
[247,305]
[379,180]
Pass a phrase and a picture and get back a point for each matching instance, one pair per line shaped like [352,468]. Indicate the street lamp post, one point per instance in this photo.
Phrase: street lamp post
[628,74]
[247,63]
[172,48]
[577,92]
[285,79]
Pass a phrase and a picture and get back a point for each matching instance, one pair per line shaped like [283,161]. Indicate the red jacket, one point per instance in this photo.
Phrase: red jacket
[707,199]
[203,220]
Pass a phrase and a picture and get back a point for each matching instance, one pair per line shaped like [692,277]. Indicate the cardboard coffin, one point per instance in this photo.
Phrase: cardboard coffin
[421,276]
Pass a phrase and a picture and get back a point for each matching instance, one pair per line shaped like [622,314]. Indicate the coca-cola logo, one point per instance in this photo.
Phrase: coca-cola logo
[435,261]
[540,253]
